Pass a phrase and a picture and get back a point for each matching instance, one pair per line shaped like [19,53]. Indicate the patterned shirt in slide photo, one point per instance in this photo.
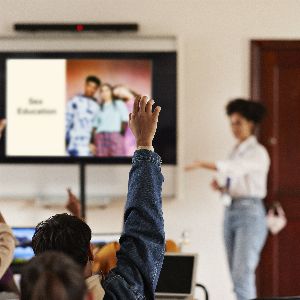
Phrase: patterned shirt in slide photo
[80,115]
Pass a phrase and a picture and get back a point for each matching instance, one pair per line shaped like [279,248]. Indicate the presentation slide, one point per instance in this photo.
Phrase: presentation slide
[73,107]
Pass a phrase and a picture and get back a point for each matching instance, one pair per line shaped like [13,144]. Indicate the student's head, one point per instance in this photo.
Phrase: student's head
[106,92]
[92,84]
[53,276]
[67,234]
[244,116]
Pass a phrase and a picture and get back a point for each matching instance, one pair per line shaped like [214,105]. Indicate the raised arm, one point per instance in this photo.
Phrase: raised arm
[143,240]
[201,165]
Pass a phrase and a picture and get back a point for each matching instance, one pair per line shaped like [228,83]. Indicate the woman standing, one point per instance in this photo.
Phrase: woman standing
[245,172]
[110,124]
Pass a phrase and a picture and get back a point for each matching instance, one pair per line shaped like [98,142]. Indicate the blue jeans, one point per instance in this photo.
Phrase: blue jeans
[245,233]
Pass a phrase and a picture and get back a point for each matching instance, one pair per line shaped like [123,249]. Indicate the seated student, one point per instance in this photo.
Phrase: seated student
[53,276]
[7,246]
[105,258]
[8,285]
[7,241]
[142,242]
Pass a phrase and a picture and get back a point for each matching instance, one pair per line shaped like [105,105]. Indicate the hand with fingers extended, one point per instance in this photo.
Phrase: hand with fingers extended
[143,120]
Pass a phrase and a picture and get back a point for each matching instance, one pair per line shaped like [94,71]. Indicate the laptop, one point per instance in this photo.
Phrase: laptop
[23,252]
[101,239]
[177,279]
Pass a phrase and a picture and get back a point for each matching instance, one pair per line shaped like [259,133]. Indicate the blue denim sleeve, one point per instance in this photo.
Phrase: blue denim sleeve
[143,239]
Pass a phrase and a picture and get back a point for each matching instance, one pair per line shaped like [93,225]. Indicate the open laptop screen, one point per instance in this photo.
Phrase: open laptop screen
[177,275]
[23,252]
[101,239]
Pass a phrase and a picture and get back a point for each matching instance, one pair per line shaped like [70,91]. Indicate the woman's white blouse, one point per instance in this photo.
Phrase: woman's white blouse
[247,169]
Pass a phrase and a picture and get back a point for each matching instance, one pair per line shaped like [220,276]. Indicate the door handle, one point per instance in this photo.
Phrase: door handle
[273,141]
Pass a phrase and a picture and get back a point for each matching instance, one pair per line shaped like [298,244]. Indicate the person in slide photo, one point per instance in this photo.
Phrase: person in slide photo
[80,113]
[110,124]
[128,96]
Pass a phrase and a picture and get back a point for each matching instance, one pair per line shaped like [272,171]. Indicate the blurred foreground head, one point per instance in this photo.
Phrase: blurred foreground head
[53,276]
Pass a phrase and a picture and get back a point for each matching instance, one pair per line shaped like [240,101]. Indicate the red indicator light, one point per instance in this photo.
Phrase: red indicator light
[79,27]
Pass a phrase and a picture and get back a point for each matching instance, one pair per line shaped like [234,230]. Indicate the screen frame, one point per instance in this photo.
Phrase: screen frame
[82,54]
[193,281]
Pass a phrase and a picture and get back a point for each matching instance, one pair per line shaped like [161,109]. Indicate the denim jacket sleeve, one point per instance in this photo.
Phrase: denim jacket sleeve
[143,239]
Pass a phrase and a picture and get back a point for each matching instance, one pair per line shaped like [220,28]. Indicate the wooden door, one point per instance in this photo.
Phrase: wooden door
[275,80]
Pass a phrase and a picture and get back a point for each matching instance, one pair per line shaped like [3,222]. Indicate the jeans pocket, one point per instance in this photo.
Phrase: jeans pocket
[253,209]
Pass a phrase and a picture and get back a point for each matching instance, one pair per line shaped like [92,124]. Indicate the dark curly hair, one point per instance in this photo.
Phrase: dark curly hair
[252,111]
[63,233]
[93,79]
[52,276]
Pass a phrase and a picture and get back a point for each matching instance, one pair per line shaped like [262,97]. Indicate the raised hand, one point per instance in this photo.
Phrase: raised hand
[143,121]
[73,204]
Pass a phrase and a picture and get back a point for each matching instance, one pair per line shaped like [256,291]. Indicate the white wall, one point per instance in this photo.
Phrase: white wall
[216,38]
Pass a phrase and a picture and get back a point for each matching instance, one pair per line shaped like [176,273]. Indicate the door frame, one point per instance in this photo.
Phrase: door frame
[257,47]
[268,270]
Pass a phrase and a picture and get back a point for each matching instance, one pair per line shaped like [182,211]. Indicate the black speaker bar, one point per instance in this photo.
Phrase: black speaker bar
[76,27]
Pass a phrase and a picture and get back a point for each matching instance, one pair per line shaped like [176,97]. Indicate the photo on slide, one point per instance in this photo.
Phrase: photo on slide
[99,97]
